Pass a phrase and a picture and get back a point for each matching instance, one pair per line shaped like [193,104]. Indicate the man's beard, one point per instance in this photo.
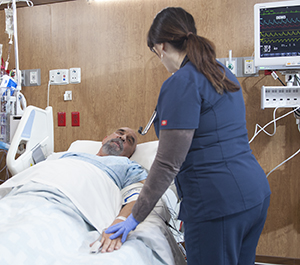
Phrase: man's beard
[110,148]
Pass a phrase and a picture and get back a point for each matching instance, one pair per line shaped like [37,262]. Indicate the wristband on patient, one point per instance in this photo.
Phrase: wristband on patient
[122,228]
[121,218]
[131,192]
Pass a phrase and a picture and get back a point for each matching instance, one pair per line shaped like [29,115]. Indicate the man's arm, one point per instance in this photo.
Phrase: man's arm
[172,150]
[107,244]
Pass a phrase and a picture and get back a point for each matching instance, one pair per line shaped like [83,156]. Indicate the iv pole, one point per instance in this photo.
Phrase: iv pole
[15,102]
[18,73]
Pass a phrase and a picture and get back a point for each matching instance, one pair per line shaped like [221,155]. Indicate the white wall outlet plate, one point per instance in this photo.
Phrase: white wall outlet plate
[75,75]
[68,95]
[31,77]
[249,68]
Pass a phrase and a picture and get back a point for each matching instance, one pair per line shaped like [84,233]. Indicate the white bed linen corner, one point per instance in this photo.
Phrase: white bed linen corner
[68,240]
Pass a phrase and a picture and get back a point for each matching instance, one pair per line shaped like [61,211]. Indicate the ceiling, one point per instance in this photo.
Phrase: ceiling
[35,3]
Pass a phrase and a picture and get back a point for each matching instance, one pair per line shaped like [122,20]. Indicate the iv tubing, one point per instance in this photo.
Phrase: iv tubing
[18,73]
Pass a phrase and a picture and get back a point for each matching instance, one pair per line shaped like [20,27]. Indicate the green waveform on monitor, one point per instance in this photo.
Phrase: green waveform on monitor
[280,34]
[272,12]
[290,40]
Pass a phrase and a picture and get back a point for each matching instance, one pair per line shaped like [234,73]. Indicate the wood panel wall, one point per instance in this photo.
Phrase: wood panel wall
[121,80]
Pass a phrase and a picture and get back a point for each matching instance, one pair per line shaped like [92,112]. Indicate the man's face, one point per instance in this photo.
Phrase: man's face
[120,143]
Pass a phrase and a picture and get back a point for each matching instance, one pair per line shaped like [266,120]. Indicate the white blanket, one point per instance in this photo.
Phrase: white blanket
[55,233]
[88,187]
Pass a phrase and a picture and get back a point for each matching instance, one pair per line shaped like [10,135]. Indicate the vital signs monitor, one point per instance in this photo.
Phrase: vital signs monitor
[277,35]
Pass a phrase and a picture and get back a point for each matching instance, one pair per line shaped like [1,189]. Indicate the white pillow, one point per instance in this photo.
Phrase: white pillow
[144,153]
[85,146]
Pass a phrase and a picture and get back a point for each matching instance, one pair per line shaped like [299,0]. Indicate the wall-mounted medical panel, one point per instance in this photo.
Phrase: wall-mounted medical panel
[240,66]
[280,96]
[59,76]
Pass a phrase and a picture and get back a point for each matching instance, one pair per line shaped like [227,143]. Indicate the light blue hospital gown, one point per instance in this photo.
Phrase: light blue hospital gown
[120,169]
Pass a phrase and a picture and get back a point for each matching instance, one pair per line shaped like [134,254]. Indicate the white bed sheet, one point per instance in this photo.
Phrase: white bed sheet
[52,233]
[67,243]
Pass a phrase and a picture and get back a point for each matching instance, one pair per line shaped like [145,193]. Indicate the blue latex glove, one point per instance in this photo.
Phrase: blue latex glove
[122,228]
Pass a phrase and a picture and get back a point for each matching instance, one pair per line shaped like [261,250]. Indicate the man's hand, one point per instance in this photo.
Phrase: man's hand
[108,245]
[122,228]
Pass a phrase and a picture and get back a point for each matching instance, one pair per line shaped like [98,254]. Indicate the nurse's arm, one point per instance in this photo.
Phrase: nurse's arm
[172,150]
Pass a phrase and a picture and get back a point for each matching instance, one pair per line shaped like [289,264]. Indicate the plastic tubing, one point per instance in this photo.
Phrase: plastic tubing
[18,73]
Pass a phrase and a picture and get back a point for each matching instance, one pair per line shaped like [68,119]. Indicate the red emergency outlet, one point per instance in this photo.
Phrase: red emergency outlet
[75,118]
[61,118]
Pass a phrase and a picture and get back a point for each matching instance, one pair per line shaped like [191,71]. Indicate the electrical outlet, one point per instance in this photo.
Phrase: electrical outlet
[249,67]
[75,118]
[280,96]
[61,118]
[68,95]
[75,75]
[31,77]
[59,77]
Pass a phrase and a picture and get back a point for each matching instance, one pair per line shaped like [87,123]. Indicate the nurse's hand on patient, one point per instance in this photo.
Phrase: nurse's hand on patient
[122,228]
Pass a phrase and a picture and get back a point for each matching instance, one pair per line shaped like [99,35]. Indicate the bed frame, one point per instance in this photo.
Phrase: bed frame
[33,140]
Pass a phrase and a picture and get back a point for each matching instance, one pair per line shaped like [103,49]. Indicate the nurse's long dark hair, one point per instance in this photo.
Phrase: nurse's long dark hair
[177,27]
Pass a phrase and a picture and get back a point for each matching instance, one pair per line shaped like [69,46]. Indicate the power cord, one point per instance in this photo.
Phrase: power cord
[298,80]
[275,76]
[272,121]
[296,153]
[263,129]
[173,217]
[48,93]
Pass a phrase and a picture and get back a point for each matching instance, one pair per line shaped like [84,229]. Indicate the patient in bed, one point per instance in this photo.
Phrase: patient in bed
[74,180]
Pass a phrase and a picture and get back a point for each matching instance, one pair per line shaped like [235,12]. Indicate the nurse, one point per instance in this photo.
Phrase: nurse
[203,145]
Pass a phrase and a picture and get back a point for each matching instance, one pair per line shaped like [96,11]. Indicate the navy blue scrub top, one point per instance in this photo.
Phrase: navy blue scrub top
[220,175]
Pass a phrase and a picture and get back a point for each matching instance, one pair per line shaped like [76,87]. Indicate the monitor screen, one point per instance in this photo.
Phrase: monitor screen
[277,35]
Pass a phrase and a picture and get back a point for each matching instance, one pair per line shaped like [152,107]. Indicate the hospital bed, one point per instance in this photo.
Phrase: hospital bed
[33,140]
[35,240]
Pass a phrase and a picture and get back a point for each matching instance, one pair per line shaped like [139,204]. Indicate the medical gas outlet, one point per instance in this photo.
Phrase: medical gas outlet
[59,77]
[65,76]
[240,66]
[230,63]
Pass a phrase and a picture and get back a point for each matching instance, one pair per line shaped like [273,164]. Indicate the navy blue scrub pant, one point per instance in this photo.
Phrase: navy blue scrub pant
[230,240]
